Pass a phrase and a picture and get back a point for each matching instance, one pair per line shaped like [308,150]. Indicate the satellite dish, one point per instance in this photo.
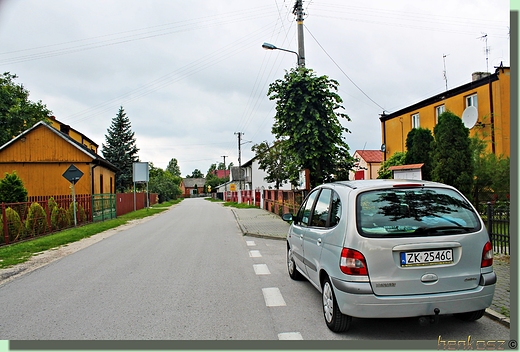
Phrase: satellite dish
[470,117]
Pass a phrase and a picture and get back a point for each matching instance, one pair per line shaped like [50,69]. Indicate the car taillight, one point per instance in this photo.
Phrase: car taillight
[352,262]
[487,255]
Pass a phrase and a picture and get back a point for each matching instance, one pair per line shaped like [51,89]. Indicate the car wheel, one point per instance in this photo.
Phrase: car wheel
[291,265]
[335,320]
[470,316]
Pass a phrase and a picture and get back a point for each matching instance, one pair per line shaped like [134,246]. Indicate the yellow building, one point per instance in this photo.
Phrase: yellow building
[483,104]
[41,154]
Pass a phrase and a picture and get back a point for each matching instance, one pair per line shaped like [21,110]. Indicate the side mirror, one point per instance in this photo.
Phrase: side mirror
[287,217]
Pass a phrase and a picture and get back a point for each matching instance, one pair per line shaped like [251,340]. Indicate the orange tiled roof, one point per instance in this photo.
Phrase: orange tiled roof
[371,156]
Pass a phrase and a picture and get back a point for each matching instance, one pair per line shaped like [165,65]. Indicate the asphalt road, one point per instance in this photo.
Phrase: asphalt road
[189,274]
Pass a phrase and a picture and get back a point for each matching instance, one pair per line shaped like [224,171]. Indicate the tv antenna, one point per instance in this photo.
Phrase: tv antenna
[444,72]
[487,49]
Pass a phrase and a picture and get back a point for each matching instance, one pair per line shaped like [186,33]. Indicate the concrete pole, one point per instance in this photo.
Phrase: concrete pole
[298,11]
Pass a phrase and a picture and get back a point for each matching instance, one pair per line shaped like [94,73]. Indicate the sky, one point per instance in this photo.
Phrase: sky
[192,74]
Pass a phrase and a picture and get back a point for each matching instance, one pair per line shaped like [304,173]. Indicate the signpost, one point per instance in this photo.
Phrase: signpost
[73,174]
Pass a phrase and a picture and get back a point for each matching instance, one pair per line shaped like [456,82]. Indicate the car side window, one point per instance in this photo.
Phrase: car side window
[304,214]
[335,213]
[321,212]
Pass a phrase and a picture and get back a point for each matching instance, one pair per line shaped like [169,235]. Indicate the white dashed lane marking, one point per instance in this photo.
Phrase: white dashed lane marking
[255,254]
[273,297]
[261,269]
[250,243]
[290,336]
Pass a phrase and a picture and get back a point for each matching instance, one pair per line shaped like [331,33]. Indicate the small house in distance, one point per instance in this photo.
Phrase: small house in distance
[192,186]
[369,163]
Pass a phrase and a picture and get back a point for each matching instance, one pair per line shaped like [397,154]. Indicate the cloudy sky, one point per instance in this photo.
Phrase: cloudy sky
[190,74]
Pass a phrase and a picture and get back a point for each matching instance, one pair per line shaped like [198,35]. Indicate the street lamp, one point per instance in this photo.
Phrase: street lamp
[268,46]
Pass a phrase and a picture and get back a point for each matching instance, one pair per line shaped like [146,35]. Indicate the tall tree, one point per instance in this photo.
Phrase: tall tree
[196,174]
[120,149]
[307,117]
[452,155]
[17,112]
[173,167]
[275,161]
[419,144]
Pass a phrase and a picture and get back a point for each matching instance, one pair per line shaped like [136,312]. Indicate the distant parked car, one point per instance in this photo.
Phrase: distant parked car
[390,249]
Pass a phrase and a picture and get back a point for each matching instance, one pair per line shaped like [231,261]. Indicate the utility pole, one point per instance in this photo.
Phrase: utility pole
[224,156]
[239,161]
[298,12]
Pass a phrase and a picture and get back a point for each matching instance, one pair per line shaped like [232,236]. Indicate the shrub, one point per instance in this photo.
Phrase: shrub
[14,225]
[59,218]
[12,189]
[81,215]
[36,222]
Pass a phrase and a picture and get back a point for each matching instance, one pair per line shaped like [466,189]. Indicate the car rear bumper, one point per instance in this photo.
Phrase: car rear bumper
[362,303]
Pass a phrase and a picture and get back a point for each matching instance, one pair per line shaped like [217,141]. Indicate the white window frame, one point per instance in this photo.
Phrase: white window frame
[438,111]
[416,122]
[471,100]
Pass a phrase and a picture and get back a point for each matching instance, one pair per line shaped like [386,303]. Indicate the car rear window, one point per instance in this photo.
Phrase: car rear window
[412,212]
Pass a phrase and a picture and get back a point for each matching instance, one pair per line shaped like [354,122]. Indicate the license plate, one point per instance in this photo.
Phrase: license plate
[423,258]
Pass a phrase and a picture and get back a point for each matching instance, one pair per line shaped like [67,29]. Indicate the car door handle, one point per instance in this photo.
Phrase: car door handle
[319,241]
[301,237]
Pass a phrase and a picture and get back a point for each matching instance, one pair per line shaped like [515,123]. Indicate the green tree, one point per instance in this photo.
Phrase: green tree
[212,179]
[12,189]
[491,173]
[275,161]
[419,144]
[452,157]
[196,174]
[164,184]
[17,112]
[173,168]
[398,158]
[120,149]
[307,117]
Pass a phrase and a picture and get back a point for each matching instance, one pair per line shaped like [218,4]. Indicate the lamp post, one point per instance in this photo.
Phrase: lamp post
[268,46]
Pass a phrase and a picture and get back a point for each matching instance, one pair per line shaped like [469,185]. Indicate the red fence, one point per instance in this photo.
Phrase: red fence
[41,215]
[276,201]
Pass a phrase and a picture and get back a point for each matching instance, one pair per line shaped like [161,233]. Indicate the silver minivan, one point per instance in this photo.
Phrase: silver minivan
[390,249]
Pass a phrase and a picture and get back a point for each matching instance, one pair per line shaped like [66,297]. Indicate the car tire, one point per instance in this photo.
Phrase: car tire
[291,265]
[470,316]
[335,320]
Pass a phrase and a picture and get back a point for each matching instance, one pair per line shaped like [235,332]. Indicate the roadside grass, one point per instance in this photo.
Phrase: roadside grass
[22,251]
[231,204]
[239,205]
[215,200]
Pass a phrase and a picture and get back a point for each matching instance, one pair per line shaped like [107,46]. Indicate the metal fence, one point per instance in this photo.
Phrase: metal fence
[103,206]
[497,221]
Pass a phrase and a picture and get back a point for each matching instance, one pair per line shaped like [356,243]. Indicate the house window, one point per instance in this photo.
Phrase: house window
[438,111]
[472,101]
[415,121]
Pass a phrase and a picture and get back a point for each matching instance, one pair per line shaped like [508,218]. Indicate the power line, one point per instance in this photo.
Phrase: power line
[335,63]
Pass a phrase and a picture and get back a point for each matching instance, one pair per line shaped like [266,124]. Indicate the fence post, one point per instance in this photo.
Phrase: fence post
[490,221]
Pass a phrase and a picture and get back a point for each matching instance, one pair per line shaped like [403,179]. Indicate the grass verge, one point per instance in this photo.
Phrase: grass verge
[22,251]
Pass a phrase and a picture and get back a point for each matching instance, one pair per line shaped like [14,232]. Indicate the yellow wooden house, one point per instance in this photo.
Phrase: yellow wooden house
[487,96]
[42,154]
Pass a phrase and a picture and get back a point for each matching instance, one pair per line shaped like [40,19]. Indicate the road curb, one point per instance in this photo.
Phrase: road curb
[502,319]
